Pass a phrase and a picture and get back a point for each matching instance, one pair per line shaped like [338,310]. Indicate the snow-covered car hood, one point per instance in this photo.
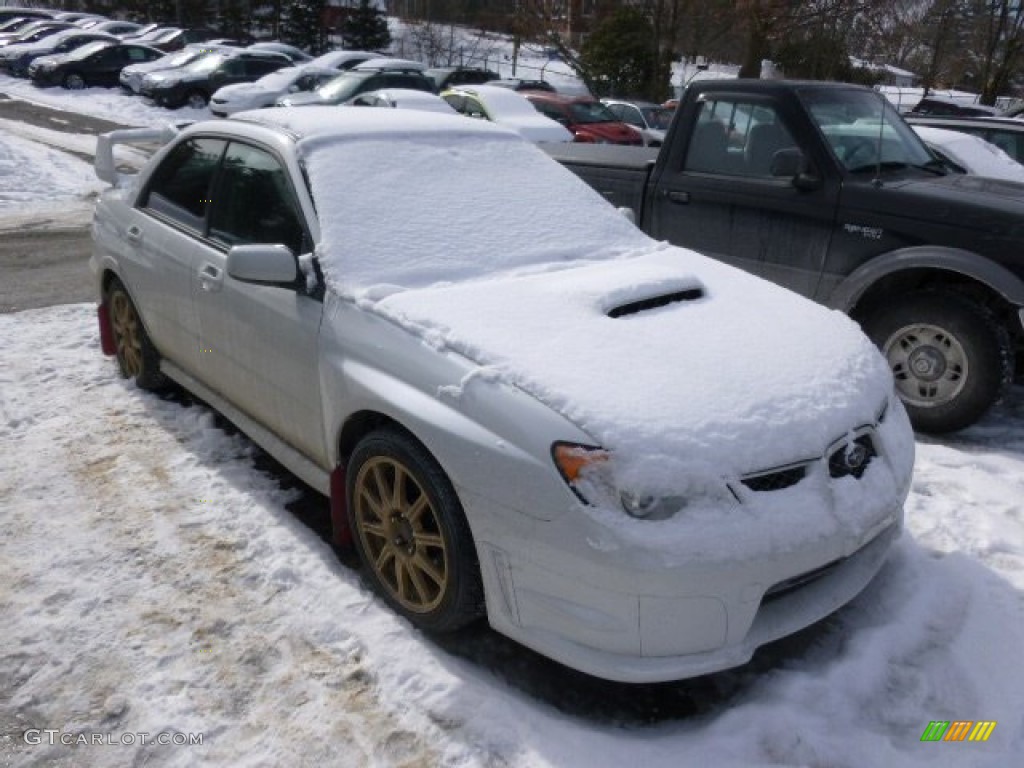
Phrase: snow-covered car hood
[242,90]
[973,153]
[732,375]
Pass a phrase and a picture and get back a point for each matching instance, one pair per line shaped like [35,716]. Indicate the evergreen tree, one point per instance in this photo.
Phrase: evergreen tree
[618,56]
[303,27]
[365,29]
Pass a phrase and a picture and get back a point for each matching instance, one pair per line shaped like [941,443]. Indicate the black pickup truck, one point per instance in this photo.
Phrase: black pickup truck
[822,188]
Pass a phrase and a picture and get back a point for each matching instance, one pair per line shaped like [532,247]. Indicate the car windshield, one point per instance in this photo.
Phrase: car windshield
[179,59]
[865,132]
[340,88]
[547,214]
[206,64]
[89,49]
[658,117]
[591,112]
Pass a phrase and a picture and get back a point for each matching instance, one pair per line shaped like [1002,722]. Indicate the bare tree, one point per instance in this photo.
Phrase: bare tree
[998,44]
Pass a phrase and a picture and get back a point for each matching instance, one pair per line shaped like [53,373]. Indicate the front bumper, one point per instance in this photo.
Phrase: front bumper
[164,96]
[45,78]
[700,594]
[698,619]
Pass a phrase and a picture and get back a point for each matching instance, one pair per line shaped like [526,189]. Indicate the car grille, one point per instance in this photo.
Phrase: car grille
[775,481]
[849,456]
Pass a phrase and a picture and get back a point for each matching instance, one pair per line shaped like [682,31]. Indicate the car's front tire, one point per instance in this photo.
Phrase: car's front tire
[411,533]
[949,358]
[137,358]
[73,81]
[196,99]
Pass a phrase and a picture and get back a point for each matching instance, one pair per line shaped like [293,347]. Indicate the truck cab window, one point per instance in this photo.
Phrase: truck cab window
[737,139]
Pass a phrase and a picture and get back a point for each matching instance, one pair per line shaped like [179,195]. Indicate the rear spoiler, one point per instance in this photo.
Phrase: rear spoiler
[105,166]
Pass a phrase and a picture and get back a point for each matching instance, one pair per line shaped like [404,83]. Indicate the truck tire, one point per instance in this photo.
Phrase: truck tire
[949,357]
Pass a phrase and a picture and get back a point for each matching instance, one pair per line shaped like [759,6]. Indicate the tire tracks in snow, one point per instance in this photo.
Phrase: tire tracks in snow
[167,607]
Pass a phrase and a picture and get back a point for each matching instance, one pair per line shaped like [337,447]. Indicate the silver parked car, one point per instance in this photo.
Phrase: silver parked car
[629,457]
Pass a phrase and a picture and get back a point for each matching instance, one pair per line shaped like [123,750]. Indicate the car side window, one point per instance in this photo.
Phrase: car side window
[1011,143]
[456,102]
[737,139]
[474,108]
[631,115]
[260,67]
[254,202]
[180,186]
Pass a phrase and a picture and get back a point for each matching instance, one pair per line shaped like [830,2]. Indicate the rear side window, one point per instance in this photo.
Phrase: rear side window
[260,67]
[456,102]
[180,188]
[414,82]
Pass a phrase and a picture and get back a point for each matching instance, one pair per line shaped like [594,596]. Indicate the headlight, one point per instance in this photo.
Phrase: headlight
[649,507]
[587,470]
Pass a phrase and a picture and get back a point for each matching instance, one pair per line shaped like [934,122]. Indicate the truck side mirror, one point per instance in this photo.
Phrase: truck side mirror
[792,164]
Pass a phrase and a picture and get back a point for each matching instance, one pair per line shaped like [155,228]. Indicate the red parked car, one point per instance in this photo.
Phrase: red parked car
[589,120]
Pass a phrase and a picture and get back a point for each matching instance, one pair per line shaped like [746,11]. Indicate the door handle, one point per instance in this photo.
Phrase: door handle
[677,196]
[211,277]
[134,233]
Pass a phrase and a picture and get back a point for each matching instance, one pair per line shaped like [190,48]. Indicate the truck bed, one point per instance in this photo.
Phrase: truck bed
[618,173]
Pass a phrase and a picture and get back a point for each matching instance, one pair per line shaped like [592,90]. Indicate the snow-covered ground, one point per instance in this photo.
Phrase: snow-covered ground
[155,581]
[157,576]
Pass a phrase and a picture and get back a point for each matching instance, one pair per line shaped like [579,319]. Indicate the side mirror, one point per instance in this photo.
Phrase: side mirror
[627,213]
[792,164]
[265,264]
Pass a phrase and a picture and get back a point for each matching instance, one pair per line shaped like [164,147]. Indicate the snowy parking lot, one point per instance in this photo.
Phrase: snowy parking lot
[159,575]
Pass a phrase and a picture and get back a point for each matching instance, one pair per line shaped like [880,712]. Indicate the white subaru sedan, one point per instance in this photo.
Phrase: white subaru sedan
[634,459]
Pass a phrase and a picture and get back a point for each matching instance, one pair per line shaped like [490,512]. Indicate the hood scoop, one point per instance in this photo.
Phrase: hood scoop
[655,300]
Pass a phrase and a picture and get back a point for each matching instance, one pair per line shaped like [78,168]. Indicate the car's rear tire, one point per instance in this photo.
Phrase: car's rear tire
[196,99]
[411,533]
[949,357]
[73,81]
[137,358]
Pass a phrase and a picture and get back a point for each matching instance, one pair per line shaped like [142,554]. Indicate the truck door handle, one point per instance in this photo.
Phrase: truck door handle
[677,196]
[134,233]
[211,277]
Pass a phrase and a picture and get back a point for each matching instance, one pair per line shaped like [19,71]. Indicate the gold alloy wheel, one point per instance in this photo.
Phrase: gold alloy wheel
[127,334]
[401,534]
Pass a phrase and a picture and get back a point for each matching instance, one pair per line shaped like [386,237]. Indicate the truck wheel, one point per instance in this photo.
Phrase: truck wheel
[411,534]
[948,356]
[137,358]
